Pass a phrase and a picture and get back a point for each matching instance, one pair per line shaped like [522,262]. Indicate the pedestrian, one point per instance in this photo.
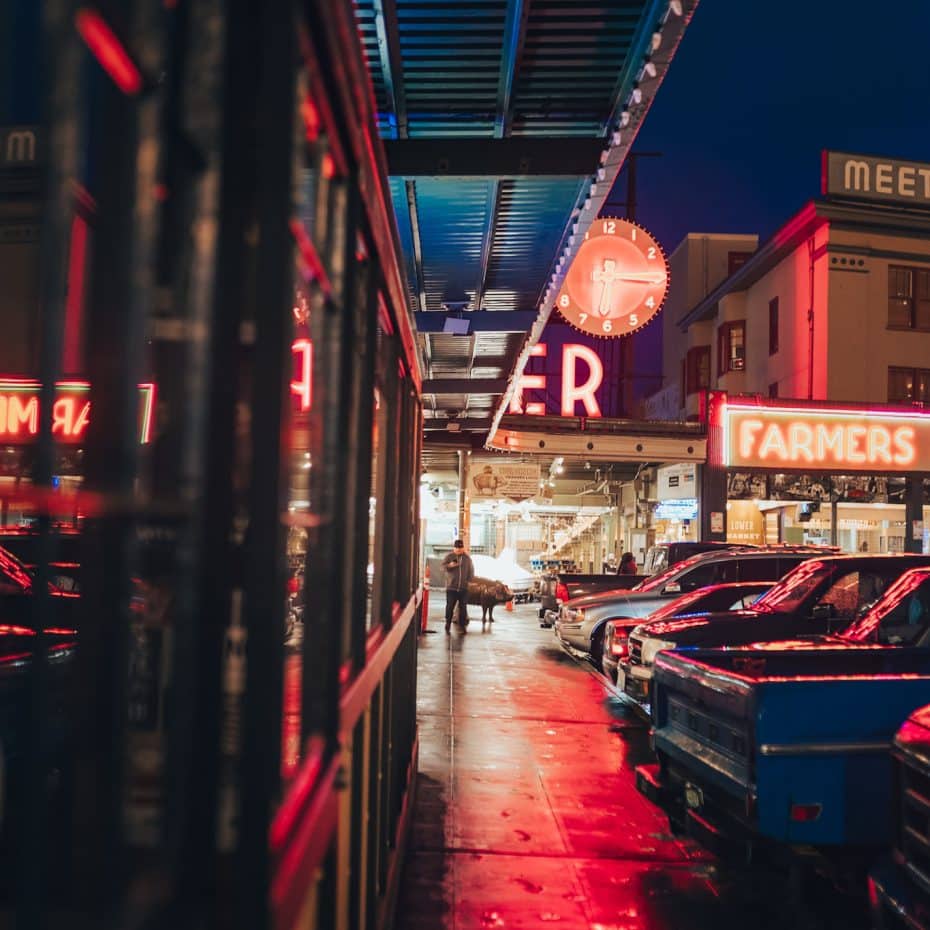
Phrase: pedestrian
[459,571]
[627,564]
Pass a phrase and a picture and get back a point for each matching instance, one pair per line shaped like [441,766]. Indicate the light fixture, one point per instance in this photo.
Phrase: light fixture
[624,117]
[650,69]
[615,139]
[675,7]
[637,95]
[656,39]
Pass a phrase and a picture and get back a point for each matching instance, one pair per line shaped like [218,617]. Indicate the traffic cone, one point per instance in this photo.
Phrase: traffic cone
[509,605]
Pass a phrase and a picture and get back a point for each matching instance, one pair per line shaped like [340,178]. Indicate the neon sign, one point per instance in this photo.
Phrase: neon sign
[19,411]
[853,440]
[302,383]
[571,392]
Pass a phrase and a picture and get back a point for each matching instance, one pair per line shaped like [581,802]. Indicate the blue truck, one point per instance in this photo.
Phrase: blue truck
[785,747]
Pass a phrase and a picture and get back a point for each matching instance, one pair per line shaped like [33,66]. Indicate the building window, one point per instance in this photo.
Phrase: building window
[908,386]
[697,370]
[908,298]
[773,326]
[736,260]
[731,347]
[773,389]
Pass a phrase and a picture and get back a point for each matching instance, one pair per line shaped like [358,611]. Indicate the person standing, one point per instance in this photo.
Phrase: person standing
[459,571]
[627,564]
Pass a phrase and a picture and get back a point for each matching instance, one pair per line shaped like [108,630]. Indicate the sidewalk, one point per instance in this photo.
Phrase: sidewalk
[527,814]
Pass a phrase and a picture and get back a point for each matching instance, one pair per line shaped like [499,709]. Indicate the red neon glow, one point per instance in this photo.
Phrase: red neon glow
[108,50]
[302,385]
[806,813]
[74,303]
[572,392]
[617,281]
[19,410]
[771,437]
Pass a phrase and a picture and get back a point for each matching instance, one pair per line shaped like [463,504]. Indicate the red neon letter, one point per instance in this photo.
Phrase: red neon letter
[829,440]
[63,416]
[530,382]
[747,436]
[303,386]
[584,392]
[77,431]
[23,414]
[904,443]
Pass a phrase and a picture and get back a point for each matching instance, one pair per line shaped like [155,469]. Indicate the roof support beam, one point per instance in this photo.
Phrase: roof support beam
[481,321]
[417,245]
[518,12]
[392,66]
[468,157]
[464,385]
[441,424]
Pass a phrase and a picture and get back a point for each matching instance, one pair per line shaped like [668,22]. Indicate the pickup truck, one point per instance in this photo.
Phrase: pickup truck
[821,596]
[899,886]
[784,748]
[557,588]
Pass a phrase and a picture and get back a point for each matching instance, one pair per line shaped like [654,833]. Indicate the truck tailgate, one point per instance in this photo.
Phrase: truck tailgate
[774,731]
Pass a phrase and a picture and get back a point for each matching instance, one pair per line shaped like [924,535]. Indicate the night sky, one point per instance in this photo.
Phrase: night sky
[755,92]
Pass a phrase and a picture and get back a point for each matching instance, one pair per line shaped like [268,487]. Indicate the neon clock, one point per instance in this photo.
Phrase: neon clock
[617,282]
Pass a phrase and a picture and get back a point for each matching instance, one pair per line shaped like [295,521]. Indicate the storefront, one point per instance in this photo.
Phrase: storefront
[855,477]
[676,511]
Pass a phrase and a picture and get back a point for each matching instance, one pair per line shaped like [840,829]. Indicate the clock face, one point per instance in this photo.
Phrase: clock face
[617,281]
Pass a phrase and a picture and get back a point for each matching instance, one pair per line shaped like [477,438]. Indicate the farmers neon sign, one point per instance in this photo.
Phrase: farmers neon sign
[854,440]
[19,411]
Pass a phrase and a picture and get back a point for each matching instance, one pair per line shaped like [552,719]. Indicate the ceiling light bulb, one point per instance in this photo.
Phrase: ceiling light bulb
[615,139]
[656,39]
[601,174]
[637,95]
[624,117]
[675,7]
[650,69]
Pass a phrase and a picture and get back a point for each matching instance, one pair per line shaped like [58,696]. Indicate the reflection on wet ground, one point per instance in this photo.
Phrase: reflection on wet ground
[527,815]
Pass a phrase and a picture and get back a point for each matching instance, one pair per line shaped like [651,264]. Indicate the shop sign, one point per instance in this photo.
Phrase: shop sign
[683,509]
[810,438]
[19,411]
[515,481]
[864,177]
[745,523]
[716,521]
[617,282]
[302,382]
[676,482]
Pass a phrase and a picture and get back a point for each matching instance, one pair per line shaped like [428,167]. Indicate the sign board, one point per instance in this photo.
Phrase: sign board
[683,509]
[496,480]
[716,521]
[617,282]
[18,147]
[865,177]
[19,411]
[830,439]
[676,482]
[745,523]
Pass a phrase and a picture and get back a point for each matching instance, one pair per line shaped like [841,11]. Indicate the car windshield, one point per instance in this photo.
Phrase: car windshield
[678,605]
[794,588]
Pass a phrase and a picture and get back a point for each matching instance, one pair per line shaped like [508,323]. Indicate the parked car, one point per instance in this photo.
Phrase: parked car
[557,588]
[666,555]
[785,748]
[715,597]
[580,626]
[899,885]
[822,596]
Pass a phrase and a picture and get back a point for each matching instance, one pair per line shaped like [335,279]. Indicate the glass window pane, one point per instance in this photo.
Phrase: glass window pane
[900,385]
[899,297]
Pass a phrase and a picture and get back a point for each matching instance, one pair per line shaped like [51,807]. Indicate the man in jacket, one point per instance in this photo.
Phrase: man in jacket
[459,571]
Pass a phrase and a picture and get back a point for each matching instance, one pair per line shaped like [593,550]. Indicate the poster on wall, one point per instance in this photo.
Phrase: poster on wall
[676,482]
[800,487]
[744,485]
[861,489]
[745,523]
[498,480]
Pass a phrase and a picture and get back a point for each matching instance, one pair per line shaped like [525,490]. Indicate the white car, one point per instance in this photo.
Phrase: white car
[505,569]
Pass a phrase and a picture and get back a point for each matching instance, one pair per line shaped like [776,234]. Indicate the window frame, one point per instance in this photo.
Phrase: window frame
[725,357]
[697,357]
[915,374]
[918,281]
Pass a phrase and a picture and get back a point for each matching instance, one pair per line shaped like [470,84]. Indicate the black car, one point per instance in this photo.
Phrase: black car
[822,595]
[664,555]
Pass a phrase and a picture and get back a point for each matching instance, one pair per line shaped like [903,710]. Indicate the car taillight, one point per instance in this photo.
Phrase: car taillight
[561,592]
[805,813]
[619,642]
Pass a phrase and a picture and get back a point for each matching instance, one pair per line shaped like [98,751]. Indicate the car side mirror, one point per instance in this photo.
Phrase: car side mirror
[673,587]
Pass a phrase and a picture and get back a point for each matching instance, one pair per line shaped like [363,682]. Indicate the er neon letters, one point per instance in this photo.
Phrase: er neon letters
[572,392]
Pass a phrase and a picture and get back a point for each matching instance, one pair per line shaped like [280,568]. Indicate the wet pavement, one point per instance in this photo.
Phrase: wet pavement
[527,814]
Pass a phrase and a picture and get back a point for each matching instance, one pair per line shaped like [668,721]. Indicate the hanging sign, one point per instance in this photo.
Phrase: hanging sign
[617,282]
[503,479]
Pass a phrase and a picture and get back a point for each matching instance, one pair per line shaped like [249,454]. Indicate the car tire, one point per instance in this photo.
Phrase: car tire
[597,645]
